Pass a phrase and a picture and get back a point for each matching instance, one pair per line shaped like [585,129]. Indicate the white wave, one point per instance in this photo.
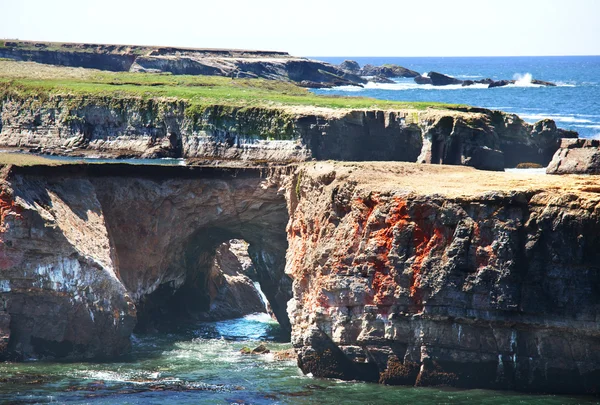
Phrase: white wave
[563,84]
[406,86]
[259,317]
[555,117]
[588,126]
[107,375]
[523,80]
[426,74]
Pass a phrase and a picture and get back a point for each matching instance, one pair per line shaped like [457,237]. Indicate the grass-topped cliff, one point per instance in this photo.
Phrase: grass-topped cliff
[35,80]
[74,111]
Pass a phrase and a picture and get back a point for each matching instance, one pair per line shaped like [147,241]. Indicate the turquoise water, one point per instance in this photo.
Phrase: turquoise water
[201,364]
[573,104]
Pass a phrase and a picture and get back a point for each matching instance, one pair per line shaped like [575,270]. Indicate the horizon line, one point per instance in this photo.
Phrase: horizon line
[445,56]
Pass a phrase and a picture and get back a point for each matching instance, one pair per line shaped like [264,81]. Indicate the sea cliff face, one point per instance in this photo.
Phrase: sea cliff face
[394,272]
[437,282]
[115,126]
[88,253]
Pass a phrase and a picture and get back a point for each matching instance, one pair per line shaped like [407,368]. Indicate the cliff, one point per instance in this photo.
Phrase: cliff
[419,275]
[181,61]
[402,273]
[115,125]
[87,253]
[576,156]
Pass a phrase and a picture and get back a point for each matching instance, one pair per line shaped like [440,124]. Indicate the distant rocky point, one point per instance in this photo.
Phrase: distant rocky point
[439,79]
[384,73]
[232,63]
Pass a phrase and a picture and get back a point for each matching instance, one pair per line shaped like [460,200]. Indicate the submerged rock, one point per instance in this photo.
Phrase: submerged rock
[260,349]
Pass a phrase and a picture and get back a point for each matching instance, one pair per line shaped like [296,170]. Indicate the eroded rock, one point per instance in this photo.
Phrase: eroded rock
[397,284]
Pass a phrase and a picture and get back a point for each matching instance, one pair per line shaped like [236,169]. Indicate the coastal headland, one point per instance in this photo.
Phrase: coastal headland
[388,240]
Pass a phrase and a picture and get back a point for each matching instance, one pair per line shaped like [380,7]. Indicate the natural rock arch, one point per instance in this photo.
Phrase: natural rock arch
[135,235]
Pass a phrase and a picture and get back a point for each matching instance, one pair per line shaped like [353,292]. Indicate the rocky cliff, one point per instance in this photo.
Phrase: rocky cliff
[414,275]
[402,273]
[89,253]
[182,61]
[129,126]
[576,156]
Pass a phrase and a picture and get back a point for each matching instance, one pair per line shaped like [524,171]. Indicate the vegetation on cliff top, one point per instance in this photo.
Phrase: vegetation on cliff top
[36,80]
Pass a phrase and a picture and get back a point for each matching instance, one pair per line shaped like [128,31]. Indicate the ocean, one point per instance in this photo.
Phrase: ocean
[202,364]
[574,104]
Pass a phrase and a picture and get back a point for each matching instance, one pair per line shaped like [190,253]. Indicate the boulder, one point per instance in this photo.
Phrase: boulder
[484,158]
[351,66]
[576,156]
[543,83]
[500,83]
[439,79]
[260,349]
[423,80]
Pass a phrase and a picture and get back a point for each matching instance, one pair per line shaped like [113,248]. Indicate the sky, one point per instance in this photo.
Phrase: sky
[319,27]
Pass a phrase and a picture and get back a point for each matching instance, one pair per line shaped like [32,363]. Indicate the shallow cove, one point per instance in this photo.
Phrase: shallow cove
[201,364]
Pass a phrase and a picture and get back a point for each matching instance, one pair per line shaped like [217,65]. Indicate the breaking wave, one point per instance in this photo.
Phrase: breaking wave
[555,117]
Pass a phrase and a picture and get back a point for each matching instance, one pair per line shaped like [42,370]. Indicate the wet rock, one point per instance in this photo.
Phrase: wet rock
[289,354]
[500,83]
[439,79]
[260,349]
[381,79]
[423,80]
[543,83]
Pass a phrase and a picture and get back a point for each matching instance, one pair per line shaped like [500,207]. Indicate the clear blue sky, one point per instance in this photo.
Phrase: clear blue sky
[319,27]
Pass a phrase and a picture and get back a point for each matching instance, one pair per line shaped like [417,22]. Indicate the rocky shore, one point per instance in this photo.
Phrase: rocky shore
[397,272]
[132,127]
[384,74]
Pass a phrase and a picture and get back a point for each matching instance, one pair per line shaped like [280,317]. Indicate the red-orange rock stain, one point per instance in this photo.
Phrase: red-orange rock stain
[7,206]
[484,252]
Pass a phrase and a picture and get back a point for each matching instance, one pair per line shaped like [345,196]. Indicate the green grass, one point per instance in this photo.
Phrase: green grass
[33,80]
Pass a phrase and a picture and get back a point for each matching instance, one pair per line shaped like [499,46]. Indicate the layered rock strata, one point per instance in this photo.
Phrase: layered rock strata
[133,127]
[417,275]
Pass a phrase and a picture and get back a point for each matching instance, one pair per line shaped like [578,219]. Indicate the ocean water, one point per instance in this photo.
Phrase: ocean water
[201,364]
[573,104]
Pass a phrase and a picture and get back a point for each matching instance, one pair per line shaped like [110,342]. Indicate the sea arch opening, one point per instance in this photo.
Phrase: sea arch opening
[167,233]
